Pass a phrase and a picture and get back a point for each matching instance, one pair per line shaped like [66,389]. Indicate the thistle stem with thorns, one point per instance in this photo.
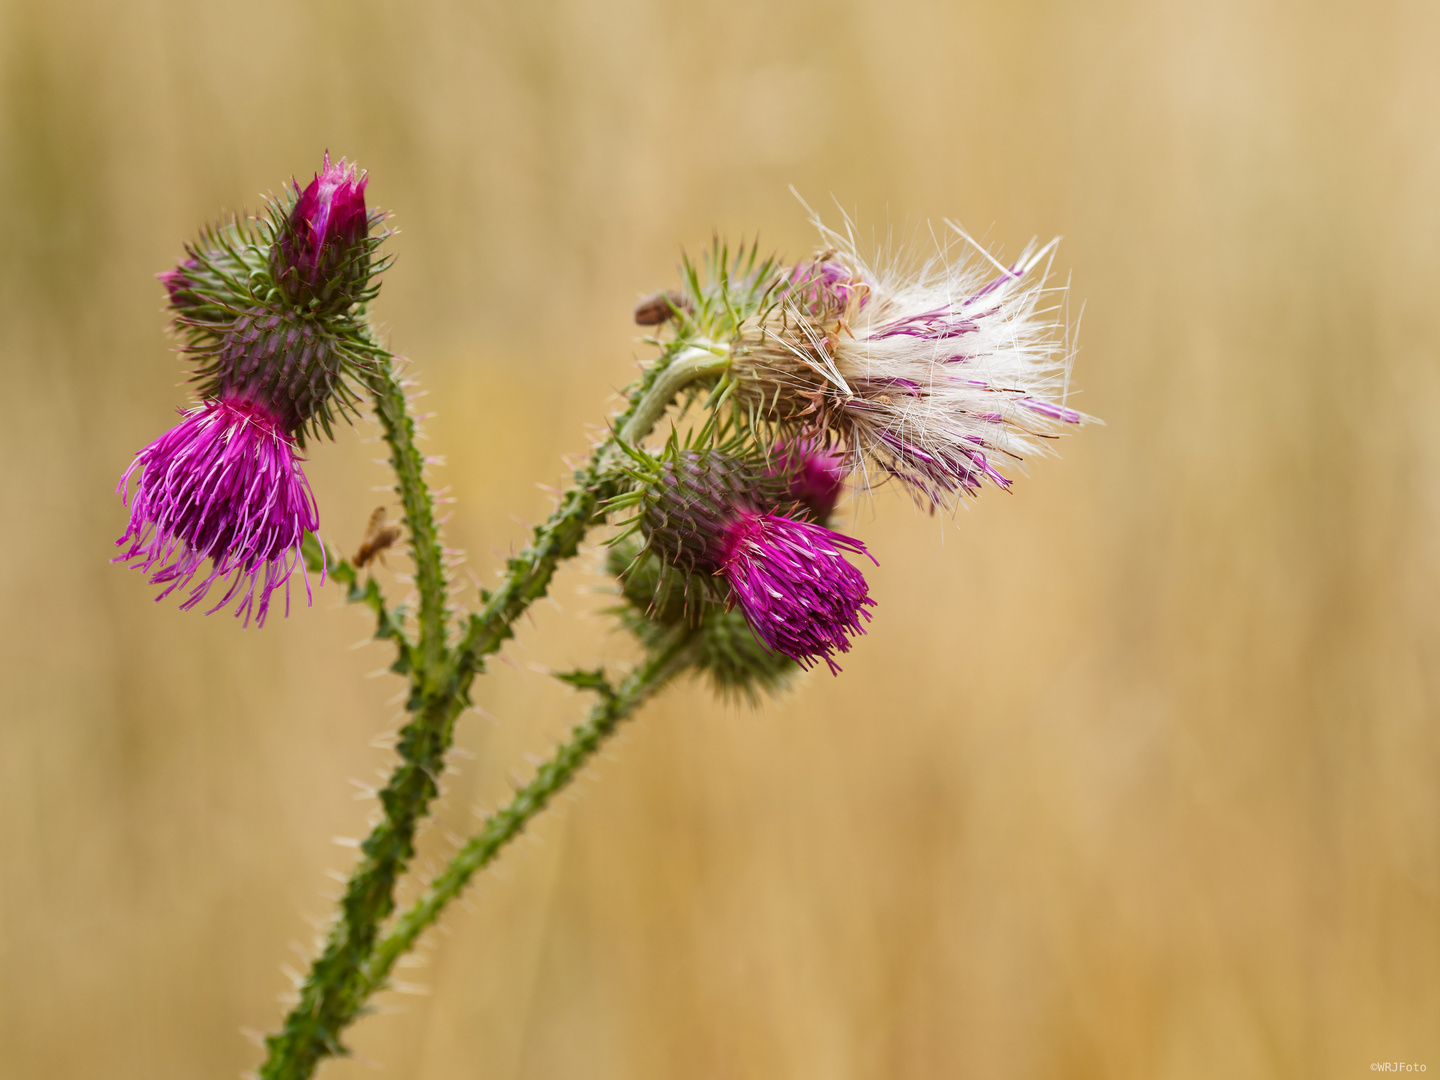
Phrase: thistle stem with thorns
[346,972]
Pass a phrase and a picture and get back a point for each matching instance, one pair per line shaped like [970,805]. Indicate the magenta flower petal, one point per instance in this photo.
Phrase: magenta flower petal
[799,593]
[224,485]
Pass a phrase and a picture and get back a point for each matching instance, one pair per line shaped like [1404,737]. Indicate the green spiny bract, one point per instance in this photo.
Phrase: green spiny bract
[686,495]
[725,291]
[737,663]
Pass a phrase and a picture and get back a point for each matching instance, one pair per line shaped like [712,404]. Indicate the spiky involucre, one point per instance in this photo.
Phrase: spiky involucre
[937,374]
[298,366]
[694,495]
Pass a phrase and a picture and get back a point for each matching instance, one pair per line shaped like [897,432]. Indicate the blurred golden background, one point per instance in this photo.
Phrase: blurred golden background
[1137,773]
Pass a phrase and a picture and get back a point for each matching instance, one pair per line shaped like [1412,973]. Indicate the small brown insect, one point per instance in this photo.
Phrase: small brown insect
[662,307]
[379,535]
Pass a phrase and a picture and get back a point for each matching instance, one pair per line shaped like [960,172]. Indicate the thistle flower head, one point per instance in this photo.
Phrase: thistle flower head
[733,522]
[690,498]
[938,375]
[799,593]
[822,288]
[223,485]
[300,369]
[321,255]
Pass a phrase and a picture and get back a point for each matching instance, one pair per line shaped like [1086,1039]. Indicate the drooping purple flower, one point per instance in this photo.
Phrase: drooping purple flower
[799,593]
[224,485]
[719,516]
[817,476]
[321,253]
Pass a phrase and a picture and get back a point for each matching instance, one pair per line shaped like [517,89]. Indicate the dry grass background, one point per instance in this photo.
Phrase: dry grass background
[1137,774]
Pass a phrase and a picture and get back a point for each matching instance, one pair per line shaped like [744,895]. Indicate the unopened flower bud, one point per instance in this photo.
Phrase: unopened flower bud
[268,307]
[321,259]
[180,284]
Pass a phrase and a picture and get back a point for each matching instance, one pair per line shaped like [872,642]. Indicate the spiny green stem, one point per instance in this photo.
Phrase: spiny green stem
[528,574]
[614,706]
[333,992]
[693,362]
[335,989]
[398,427]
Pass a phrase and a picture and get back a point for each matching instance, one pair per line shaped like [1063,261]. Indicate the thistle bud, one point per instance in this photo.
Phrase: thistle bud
[267,305]
[321,259]
[296,367]
[224,485]
[693,496]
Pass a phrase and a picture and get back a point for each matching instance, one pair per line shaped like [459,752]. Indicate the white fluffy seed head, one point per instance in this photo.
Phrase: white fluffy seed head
[939,371]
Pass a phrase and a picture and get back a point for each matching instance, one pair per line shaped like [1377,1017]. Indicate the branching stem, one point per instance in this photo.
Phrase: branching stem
[333,991]
[345,973]
[615,706]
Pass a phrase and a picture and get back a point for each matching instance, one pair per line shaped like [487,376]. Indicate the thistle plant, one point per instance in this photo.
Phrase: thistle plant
[783,385]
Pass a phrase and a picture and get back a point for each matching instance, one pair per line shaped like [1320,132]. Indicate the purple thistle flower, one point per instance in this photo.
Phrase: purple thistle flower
[224,485]
[716,515]
[799,593]
[321,250]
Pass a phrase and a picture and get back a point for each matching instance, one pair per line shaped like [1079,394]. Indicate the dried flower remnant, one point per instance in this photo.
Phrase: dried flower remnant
[938,375]
[660,308]
[224,485]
